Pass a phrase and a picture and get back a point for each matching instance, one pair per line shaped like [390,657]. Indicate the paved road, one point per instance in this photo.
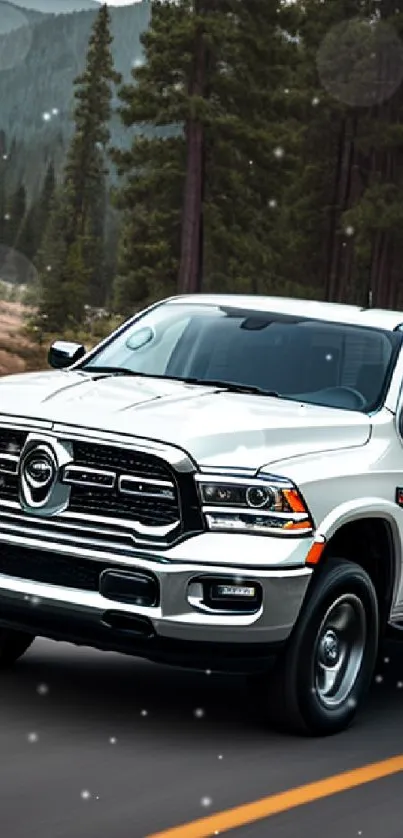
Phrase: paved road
[96,745]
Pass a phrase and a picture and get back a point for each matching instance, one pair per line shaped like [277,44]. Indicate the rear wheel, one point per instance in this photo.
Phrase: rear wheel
[13,644]
[327,667]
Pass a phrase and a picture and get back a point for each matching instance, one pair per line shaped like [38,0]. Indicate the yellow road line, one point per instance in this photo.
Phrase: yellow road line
[276,803]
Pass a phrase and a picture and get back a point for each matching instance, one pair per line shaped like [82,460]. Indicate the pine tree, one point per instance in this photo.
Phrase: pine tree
[345,206]
[3,193]
[197,202]
[250,147]
[77,220]
[54,306]
[39,213]
[152,171]
[16,208]
[3,182]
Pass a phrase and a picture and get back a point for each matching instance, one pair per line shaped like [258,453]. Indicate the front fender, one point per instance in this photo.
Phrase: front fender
[364,508]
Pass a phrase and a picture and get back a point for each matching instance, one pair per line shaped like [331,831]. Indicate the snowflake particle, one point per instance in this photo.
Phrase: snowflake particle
[199,713]
[112,740]
[32,737]
[279,152]
[144,713]
[379,679]
[35,600]
[206,801]
[42,689]
[349,231]
[85,794]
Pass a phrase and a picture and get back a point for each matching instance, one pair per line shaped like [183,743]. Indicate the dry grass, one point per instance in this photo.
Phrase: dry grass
[17,352]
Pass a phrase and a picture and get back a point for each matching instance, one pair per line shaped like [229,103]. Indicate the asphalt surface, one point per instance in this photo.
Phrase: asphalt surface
[96,745]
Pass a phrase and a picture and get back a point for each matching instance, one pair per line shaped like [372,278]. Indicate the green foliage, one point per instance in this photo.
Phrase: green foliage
[71,259]
[42,80]
[279,154]
[222,67]
[37,217]
[343,211]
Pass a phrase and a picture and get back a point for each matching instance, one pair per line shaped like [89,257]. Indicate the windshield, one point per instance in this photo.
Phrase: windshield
[307,360]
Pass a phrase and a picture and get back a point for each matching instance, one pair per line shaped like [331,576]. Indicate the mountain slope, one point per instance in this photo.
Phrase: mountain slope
[13,17]
[56,7]
[36,92]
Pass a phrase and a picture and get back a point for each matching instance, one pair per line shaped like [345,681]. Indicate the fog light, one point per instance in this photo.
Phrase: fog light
[232,595]
[233,591]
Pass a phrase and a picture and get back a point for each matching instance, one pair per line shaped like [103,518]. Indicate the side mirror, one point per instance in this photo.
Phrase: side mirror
[63,354]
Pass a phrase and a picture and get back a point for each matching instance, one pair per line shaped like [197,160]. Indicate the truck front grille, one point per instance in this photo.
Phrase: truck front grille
[117,499]
[110,505]
[120,460]
[11,445]
[154,503]
[11,441]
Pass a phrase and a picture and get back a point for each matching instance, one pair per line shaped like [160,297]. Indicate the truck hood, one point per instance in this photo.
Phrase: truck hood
[215,427]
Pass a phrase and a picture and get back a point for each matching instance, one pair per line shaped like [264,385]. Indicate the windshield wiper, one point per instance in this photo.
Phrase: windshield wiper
[114,371]
[231,386]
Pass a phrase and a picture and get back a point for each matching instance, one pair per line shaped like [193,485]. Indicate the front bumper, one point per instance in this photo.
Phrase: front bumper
[175,631]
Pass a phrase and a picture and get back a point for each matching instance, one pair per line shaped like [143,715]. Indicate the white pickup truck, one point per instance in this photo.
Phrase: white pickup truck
[218,484]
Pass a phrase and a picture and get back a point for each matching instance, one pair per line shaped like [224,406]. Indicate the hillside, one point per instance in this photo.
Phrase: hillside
[36,86]
[56,7]
[17,352]
[13,17]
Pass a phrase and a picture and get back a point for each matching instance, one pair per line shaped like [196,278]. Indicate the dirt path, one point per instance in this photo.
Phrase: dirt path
[17,352]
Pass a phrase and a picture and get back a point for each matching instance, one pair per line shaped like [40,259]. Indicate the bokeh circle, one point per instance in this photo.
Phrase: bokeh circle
[360,62]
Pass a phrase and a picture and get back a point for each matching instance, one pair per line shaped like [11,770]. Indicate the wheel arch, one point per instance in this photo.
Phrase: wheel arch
[370,538]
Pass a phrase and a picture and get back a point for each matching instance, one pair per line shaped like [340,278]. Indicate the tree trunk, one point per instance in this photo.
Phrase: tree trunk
[340,202]
[190,269]
[331,274]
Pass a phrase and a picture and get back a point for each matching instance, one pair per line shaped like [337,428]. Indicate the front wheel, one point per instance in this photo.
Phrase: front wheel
[325,672]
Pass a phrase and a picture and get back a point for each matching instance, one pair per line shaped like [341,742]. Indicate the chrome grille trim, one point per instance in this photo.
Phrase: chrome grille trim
[129,485]
[19,423]
[76,476]
[173,456]
[9,464]
[79,531]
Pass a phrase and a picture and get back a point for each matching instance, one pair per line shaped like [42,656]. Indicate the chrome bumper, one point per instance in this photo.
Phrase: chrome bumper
[277,564]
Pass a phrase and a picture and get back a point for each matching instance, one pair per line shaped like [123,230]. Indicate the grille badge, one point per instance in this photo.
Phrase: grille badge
[40,490]
[38,473]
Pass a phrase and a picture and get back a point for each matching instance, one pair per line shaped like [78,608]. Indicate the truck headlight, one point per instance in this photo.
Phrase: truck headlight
[264,505]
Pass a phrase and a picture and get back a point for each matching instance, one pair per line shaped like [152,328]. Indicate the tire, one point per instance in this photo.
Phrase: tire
[13,644]
[340,613]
